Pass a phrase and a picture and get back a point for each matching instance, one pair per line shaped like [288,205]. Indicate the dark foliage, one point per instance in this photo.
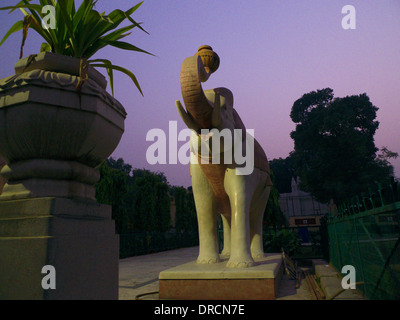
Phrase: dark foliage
[335,154]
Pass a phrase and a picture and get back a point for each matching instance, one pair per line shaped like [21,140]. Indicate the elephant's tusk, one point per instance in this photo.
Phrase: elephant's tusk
[216,113]
[187,119]
[203,72]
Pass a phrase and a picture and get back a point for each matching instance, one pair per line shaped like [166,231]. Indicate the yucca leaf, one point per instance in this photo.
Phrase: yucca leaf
[45,47]
[42,33]
[71,8]
[79,33]
[133,9]
[27,6]
[129,74]
[130,12]
[66,17]
[80,15]
[38,28]
[121,69]
[127,46]
[117,17]
[115,35]
[18,4]
[61,31]
[94,27]
[109,72]
[46,2]
[102,42]
[15,28]
[53,33]
[136,24]
[34,9]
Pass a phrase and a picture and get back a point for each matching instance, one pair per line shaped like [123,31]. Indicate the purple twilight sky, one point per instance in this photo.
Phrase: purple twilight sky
[272,52]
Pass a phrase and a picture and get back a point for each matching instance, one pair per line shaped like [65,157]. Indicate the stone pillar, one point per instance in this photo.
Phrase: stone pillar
[53,139]
[76,237]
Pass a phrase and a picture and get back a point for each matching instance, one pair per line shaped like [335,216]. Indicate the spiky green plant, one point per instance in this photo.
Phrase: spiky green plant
[78,33]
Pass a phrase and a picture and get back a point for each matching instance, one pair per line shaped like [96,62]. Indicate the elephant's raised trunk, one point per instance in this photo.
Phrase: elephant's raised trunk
[193,73]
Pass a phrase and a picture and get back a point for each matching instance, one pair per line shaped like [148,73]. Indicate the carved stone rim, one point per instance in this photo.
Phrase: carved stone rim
[54,62]
[66,81]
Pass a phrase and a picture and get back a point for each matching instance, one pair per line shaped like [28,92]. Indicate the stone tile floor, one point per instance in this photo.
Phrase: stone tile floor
[139,275]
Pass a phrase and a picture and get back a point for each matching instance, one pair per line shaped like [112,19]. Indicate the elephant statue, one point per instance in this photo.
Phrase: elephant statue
[239,196]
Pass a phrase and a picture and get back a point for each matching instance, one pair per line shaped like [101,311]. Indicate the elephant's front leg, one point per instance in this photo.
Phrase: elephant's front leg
[257,210]
[240,191]
[226,223]
[206,216]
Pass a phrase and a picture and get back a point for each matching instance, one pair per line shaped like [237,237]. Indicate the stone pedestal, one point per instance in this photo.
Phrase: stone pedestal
[53,137]
[76,237]
[192,281]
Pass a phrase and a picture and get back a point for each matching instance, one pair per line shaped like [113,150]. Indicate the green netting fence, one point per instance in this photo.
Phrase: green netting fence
[365,233]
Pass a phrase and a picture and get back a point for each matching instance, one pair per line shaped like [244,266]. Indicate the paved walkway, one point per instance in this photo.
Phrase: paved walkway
[138,276]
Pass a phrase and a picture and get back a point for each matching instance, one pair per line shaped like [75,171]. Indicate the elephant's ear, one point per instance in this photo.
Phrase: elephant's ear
[210,95]
[227,94]
[238,121]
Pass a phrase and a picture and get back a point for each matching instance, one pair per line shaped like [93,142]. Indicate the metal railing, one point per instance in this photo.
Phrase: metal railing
[364,232]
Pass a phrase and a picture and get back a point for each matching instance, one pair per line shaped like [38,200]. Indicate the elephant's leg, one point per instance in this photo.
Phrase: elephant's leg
[226,223]
[257,210]
[206,216]
[240,190]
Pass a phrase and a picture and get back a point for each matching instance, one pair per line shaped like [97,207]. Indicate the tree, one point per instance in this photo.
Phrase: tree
[163,207]
[137,173]
[119,164]
[111,190]
[139,198]
[384,167]
[284,171]
[146,198]
[273,216]
[186,219]
[334,150]
[150,204]
[191,210]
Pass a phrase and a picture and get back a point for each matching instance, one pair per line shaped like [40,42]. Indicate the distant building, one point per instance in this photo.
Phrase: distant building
[300,208]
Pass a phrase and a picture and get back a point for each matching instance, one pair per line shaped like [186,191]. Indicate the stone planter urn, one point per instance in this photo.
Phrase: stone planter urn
[52,137]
